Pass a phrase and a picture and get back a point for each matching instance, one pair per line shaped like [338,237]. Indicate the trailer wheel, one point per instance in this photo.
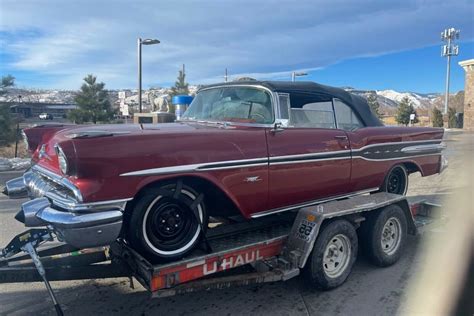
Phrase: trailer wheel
[167,222]
[385,235]
[333,255]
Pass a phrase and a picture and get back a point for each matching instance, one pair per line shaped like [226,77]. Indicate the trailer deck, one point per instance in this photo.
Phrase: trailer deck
[265,250]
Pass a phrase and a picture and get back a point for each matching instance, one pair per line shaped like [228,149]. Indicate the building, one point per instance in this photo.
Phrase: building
[468,66]
[34,109]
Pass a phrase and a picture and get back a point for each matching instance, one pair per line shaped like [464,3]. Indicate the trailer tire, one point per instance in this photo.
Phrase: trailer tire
[384,235]
[333,255]
[164,222]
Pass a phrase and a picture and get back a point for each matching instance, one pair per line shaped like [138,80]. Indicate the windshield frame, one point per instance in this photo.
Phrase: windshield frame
[273,100]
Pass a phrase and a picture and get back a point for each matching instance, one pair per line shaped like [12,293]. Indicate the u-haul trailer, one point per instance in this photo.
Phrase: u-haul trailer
[320,241]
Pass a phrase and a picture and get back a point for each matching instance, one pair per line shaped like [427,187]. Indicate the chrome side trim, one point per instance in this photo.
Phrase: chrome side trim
[59,180]
[423,148]
[296,206]
[395,158]
[396,143]
[218,165]
[307,161]
[311,155]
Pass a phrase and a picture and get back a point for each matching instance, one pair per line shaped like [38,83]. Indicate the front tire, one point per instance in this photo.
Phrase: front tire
[333,255]
[167,222]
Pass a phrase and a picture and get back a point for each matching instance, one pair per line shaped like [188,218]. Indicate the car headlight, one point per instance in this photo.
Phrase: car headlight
[61,159]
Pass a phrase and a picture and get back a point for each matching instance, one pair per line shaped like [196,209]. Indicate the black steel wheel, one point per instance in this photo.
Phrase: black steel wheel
[167,222]
[396,181]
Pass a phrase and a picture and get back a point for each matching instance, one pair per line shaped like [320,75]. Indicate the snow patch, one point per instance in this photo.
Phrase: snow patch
[8,164]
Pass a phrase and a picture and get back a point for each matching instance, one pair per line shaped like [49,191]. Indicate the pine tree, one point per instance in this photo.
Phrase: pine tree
[405,108]
[7,81]
[180,86]
[374,104]
[93,103]
[437,118]
[6,121]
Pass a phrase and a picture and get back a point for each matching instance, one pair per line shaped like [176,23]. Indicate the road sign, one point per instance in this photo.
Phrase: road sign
[121,95]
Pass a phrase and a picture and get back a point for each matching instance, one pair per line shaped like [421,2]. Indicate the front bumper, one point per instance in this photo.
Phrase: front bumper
[56,206]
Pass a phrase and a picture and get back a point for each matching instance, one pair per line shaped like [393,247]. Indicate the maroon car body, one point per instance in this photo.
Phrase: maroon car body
[305,143]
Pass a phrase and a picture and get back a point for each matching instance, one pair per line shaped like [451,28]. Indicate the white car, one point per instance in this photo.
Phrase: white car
[45,116]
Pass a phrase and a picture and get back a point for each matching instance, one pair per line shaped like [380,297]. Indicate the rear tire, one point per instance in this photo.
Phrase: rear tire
[164,223]
[396,181]
[333,255]
[385,235]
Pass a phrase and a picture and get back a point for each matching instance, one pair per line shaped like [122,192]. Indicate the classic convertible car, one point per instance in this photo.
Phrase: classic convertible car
[247,148]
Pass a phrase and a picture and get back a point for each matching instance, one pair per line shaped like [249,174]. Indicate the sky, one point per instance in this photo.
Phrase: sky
[365,44]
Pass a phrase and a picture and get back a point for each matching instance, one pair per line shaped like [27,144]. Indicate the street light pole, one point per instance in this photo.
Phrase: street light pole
[295,74]
[141,42]
[140,74]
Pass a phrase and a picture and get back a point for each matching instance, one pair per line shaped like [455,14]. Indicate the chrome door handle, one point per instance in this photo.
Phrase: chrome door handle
[341,137]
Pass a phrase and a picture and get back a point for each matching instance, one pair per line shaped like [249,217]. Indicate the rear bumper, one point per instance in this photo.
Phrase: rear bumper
[81,230]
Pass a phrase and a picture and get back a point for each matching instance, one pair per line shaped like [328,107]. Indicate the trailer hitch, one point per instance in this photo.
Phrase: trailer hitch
[28,242]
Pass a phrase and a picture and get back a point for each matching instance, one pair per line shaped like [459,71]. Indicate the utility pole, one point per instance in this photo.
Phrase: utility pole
[448,50]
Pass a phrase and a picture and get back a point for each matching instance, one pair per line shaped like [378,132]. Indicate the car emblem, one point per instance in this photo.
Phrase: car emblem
[42,153]
[253,179]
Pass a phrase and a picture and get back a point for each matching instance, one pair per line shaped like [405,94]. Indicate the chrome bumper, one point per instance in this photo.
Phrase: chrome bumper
[58,204]
[16,189]
[78,229]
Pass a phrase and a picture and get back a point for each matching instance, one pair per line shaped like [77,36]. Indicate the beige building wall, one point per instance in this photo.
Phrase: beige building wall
[468,66]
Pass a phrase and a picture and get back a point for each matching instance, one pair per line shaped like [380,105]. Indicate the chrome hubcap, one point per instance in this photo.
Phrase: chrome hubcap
[337,256]
[391,236]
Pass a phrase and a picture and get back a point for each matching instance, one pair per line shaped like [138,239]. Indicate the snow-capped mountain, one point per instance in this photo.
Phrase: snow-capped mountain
[418,100]
[391,98]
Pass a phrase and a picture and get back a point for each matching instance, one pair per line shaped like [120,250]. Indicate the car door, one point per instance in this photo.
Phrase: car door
[309,158]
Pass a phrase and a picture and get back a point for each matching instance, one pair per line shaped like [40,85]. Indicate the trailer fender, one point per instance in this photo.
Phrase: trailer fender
[309,220]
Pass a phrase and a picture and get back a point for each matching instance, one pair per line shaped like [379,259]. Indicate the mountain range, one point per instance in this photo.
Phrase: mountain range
[388,99]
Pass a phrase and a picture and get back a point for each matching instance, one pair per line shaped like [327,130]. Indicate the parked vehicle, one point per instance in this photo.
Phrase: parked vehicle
[46,116]
[248,148]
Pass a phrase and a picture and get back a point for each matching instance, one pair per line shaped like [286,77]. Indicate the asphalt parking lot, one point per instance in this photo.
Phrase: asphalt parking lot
[368,291]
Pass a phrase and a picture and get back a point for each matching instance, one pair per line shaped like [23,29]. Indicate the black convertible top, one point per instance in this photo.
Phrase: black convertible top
[357,103]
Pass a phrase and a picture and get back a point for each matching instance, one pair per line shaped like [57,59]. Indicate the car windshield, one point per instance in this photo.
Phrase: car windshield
[231,104]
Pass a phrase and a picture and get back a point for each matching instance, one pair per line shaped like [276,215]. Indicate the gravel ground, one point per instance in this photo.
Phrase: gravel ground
[368,291]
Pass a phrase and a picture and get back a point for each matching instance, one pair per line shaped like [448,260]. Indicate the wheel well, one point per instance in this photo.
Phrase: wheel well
[412,167]
[217,202]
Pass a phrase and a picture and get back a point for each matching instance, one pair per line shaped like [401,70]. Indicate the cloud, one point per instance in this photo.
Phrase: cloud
[65,40]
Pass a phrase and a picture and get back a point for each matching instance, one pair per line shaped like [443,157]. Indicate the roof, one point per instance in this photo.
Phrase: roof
[357,103]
